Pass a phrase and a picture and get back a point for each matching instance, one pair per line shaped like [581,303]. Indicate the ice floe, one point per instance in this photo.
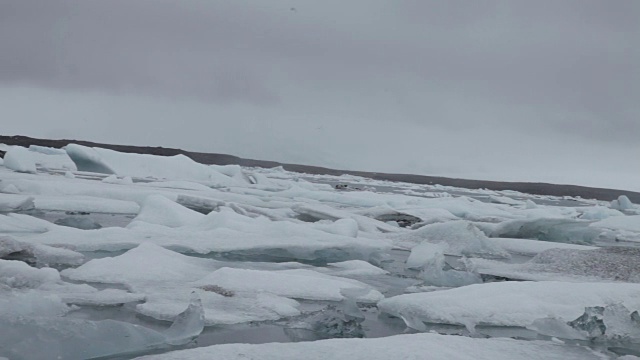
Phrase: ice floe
[130,254]
[415,346]
[19,159]
[509,303]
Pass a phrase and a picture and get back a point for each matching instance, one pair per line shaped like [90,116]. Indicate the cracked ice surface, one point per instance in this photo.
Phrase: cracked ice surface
[106,254]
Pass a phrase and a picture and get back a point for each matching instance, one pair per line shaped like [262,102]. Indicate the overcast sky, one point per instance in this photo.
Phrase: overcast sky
[506,90]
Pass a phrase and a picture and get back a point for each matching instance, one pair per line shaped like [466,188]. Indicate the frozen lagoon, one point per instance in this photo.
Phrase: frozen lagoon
[265,255]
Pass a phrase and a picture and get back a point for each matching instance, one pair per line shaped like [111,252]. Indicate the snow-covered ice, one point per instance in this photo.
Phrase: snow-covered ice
[177,167]
[416,346]
[567,264]
[510,303]
[19,159]
[460,237]
[107,254]
[295,283]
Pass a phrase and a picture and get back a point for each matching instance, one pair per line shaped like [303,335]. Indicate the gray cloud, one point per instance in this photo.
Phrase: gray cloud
[464,68]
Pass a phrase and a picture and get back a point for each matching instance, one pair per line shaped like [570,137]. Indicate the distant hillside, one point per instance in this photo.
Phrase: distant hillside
[225,159]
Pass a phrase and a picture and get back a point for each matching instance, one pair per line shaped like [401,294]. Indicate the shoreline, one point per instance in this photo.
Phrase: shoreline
[535,188]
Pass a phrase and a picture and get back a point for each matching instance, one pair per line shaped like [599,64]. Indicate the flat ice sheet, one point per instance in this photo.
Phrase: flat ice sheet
[165,280]
[510,303]
[416,346]
[575,265]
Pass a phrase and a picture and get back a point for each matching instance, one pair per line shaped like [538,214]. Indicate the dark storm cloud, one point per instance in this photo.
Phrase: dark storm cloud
[569,66]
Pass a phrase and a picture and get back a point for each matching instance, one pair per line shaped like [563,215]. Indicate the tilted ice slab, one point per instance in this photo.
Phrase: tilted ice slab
[462,207]
[166,279]
[295,283]
[27,291]
[106,297]
[598,213]
[51,158]
[17,274]
[19,223]
[19,159]
[177,167]
[352,268]
[426,215]
[344,227]
[229,295]
[164,302]
[224,231]
[430,259]
[532,247]
[548,212]
[622,203]
[56,187]
[461,237]
[157,209]
[66,338]
[11,203]
[627,223]
[145,263]
[38,253]
[505,200]
[15,202]
[325,212]
[509,303]
[30,303]
[564,230]
[415,346]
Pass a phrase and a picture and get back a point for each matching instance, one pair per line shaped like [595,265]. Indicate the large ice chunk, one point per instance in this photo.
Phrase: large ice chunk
[424,253]
[177,167]
[598,213]
[324,212]
[434,270]
[549,229]
[17,274]
[613,322]
[344,227]
[414,346]
[509,303]
[627,223]
[435,273]
[51,158]
[167,280]
[29,303]
[145,263]
[329,323]
[352,268]
[157,209]
[106,297]
[461,237]
[38,254]
[66,338]
[88,159]
[12,203]
[622,203]
[19,159]
[20,223]
[221,306]
[295,283]
[188,324]
[224,232]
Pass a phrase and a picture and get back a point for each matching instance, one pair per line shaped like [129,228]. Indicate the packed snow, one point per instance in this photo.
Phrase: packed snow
[416,346]
[115,255]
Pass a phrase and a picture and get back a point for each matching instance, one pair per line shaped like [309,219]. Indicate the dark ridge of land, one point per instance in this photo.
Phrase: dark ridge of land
[224,159]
